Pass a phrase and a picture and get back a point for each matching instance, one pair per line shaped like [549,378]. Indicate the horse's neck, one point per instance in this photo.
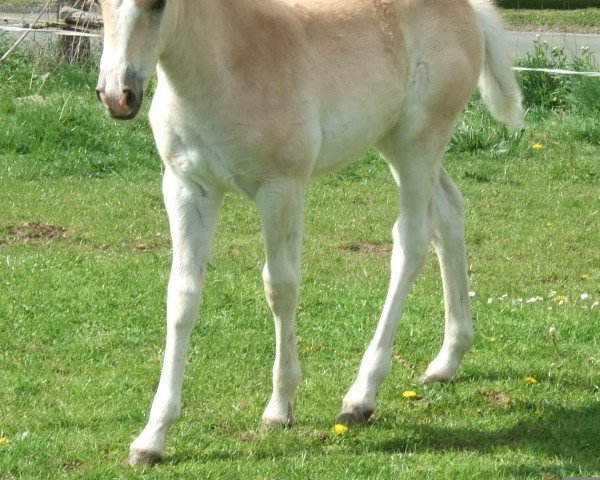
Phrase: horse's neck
[197,56]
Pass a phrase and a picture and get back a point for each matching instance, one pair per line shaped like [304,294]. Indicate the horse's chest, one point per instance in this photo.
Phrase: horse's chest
[208,161]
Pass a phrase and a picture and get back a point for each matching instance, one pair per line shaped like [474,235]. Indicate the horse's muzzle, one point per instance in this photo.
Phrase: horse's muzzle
[122,97]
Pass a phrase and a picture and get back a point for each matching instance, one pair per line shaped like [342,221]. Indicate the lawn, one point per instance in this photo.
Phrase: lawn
[586,19]
[84,257]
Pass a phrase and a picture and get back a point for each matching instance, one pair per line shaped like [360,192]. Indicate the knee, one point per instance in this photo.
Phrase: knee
[182,303]
[411,242]
[281,285]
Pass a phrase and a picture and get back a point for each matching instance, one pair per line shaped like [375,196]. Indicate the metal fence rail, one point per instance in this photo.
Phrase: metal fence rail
[73,22]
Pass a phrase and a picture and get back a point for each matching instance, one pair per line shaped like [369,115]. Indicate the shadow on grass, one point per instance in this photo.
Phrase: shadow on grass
[570,435]
[564,438]
[567,436]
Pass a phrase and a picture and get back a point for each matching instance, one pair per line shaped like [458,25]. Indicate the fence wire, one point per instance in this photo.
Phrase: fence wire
[70,26]
[60,27]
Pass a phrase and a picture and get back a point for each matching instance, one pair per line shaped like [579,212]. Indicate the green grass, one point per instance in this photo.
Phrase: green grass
[84,257]
[587,18]
[547,4]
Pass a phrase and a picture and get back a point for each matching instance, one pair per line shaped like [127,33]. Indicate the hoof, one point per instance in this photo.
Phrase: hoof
[144,458]
[277,416]
[436,377]
[355,417]
[277,424]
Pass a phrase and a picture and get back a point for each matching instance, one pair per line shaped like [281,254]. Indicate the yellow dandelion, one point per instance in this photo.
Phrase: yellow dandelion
[584,276]
[4,440]
[339,429]
[492,339]
[537,146]
[561,299]
[410,395]
[531,380]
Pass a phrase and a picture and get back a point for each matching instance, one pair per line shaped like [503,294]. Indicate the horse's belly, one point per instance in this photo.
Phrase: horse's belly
[348,133]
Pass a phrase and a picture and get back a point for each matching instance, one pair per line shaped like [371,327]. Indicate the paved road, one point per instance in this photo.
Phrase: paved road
[571,42]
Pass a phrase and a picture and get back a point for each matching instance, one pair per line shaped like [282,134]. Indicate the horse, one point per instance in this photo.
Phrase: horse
[259,96]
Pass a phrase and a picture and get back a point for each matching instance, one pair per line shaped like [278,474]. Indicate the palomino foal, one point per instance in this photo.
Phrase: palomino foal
[258,96]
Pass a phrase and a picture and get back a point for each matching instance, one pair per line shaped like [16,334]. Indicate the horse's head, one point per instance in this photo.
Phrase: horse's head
[135,34]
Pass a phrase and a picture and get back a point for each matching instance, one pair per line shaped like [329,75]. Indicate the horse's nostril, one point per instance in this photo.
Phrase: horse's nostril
[130,98]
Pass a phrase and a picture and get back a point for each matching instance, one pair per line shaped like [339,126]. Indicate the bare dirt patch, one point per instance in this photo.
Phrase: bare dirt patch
[368,248]
[29,99]
[150,244]
[497,398]
[34,232]
[403,361]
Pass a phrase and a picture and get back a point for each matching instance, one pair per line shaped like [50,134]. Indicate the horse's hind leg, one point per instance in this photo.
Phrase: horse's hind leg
[415,163]
[449,242]
[431,209]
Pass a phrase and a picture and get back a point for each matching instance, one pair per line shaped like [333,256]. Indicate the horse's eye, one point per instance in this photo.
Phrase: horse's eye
[158,5]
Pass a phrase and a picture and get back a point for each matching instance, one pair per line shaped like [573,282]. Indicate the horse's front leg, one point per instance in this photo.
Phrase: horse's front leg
[280,205]
[192,212]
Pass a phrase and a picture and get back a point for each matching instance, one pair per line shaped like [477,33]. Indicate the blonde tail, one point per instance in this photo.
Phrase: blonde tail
[497,82]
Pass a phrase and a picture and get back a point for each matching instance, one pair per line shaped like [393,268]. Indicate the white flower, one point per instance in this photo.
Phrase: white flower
[585,296]
[535,299]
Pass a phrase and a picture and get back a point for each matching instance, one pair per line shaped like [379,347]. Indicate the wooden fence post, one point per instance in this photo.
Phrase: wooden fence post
[71,48]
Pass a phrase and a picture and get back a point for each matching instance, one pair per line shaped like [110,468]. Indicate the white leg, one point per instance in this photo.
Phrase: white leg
[280,206]
[449,242]
[412,234]
[192,213]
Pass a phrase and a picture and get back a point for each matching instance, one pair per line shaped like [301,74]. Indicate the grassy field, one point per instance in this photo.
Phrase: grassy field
[587,19]
[84,256]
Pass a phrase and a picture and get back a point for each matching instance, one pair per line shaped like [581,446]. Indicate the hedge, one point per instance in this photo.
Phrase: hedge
[543,4]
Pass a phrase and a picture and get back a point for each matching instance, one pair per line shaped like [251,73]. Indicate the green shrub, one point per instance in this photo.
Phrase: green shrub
[555,91]
[543,4]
